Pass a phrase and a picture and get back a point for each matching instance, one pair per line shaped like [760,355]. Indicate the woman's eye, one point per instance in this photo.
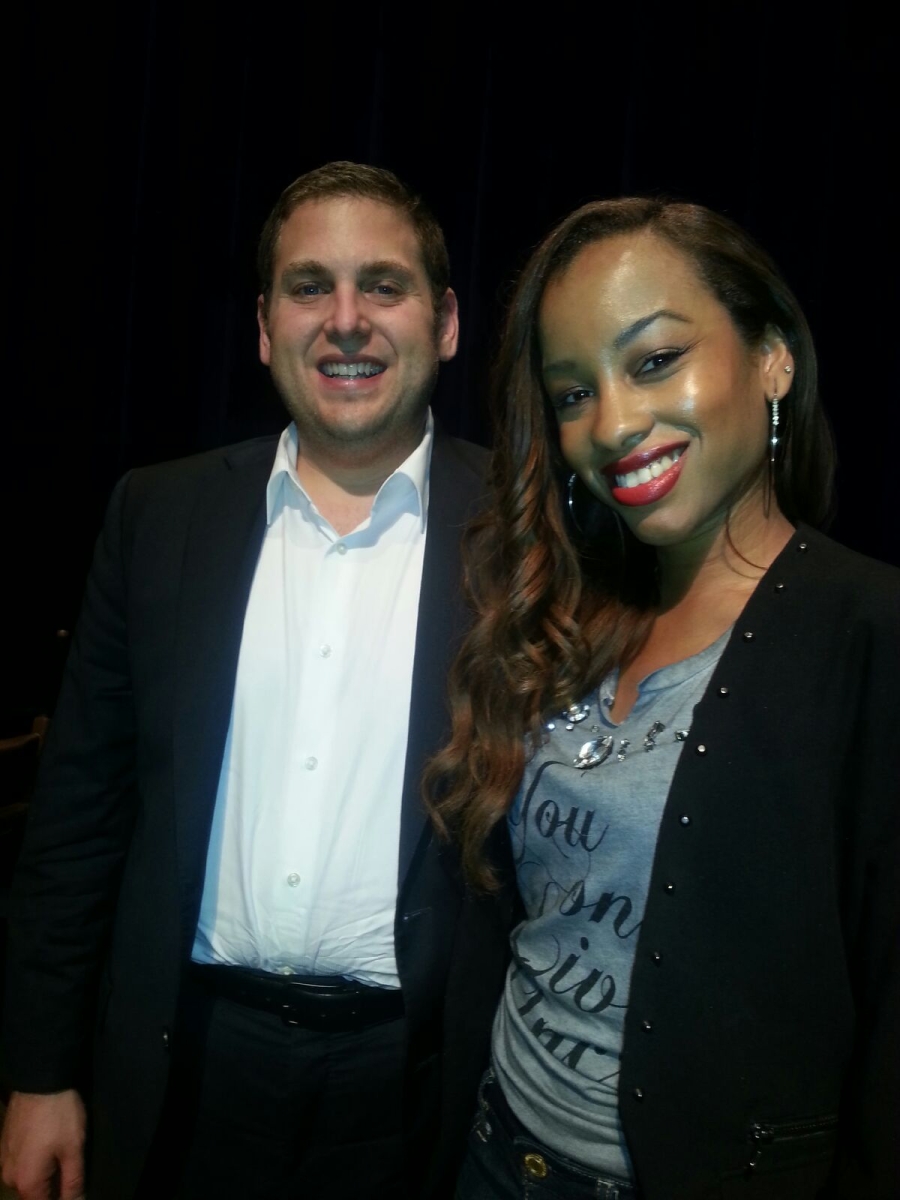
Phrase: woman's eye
[570,399]
[658,361]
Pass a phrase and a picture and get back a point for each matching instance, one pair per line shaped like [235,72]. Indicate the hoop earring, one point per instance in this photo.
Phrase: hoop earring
[576,524]
[570,500]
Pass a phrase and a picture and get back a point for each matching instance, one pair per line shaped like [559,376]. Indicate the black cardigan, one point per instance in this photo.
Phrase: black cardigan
[763,1017]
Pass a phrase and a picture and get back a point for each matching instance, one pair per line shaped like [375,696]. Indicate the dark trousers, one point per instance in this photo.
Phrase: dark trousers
[257,1109]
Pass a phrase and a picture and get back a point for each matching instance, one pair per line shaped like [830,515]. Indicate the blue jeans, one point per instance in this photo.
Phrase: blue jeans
[504,1162]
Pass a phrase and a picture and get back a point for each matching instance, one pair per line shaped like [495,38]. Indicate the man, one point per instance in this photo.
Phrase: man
[228,881]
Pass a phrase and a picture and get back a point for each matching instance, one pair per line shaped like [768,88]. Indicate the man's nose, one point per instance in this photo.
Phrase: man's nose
[347,320]
[622,418]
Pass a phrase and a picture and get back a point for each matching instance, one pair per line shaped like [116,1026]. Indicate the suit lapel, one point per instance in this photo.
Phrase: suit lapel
[223,544]
[454,489]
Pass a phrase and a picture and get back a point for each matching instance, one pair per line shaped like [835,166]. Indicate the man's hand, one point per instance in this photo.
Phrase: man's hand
[42,1145]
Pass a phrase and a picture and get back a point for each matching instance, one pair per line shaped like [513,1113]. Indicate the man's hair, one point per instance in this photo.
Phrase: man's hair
[358,181]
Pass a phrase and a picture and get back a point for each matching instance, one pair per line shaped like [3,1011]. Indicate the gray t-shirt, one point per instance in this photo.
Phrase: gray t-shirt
[584,837]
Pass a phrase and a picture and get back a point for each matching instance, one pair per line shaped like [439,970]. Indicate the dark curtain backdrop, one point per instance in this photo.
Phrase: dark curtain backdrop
[145,143]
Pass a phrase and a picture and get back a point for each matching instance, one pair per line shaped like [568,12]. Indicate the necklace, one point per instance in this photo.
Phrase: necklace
[599,749]
[607,746]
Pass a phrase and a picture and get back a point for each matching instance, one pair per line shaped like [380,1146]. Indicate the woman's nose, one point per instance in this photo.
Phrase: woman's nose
[622,419]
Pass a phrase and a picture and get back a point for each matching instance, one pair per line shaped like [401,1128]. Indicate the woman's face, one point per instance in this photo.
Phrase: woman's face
[661,405]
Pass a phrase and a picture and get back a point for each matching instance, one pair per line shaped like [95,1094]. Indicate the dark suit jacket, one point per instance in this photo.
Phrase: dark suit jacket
[107,895]
[764,1008]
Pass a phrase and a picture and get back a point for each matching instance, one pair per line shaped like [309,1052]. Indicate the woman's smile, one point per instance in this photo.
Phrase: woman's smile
[646,476]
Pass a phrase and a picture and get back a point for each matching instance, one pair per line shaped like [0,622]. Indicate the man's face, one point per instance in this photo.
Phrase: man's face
[351,335]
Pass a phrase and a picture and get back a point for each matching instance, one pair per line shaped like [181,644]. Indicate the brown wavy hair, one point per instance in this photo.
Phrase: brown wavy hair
[557,606]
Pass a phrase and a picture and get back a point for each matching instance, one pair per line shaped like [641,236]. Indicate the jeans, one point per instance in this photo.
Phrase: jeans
[504,1162]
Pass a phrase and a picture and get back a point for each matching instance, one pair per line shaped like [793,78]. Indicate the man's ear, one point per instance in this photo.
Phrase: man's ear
[776,364]
[448,326]
[265,346]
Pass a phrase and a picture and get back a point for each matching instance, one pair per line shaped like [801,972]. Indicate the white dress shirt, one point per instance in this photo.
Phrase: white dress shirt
[301,870]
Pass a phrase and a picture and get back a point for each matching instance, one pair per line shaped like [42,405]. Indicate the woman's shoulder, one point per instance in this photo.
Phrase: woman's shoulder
[842,576]
[823,552]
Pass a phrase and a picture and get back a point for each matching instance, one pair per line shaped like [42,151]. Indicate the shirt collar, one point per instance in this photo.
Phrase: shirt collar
[406,488]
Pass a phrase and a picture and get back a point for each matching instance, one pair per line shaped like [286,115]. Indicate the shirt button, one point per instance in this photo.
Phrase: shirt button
[324,650]
[341,548]
[701,750]
[638,1093]
[657,957]
[670,888]
[646,1026]
[311,763]
[685,820]
[293,879]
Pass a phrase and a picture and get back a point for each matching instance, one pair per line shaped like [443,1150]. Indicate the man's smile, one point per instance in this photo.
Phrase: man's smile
[350,368]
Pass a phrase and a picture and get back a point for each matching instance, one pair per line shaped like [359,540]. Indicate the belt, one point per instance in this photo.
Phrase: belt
[329,1004]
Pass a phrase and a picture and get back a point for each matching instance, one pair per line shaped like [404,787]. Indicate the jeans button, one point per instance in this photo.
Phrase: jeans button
[535,1166]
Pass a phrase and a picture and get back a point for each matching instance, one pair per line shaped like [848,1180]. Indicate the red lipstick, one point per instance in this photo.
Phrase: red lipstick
[654,489]
[642,458]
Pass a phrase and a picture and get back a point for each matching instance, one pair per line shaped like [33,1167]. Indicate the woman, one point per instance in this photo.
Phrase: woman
[678,702]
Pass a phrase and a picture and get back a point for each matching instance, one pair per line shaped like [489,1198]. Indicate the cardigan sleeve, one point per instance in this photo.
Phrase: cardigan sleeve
[868,1162]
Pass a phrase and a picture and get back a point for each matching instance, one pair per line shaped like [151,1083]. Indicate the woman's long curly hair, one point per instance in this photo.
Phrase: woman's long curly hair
[557,606]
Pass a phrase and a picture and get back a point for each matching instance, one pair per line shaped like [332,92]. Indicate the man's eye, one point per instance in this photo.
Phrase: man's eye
[658,361]
[386,289]
[308,289]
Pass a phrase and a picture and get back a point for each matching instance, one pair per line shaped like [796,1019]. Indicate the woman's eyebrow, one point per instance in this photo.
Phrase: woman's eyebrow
[563,366]
[622,339]
[630,332]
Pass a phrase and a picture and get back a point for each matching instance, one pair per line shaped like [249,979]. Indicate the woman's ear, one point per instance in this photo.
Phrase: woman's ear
[776,364]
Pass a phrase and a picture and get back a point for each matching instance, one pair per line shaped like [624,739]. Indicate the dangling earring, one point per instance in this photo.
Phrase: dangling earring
[773,437]
[773,449]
